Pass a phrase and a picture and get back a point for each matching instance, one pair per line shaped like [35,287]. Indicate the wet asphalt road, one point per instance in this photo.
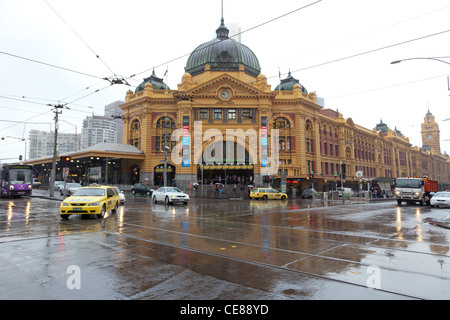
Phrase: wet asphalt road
[225,249]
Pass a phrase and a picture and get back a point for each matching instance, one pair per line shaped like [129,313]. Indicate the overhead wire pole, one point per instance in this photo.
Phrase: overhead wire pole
[53,172]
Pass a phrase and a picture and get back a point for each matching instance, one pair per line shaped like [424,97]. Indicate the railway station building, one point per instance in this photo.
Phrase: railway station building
[225,123]
[281,133]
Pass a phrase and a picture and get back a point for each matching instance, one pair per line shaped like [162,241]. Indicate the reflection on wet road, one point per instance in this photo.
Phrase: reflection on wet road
[229,249]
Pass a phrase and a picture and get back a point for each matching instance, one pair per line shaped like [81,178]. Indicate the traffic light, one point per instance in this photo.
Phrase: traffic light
[65,161]
[311,175]
[267,179]
[343,173]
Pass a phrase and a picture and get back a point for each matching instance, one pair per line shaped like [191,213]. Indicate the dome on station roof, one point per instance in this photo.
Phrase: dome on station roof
[289,83]
[425,147]
[157,83]
[222,54]
[382,126]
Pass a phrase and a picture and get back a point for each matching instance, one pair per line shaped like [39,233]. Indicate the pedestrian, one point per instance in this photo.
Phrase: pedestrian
[220,192]
[234,190]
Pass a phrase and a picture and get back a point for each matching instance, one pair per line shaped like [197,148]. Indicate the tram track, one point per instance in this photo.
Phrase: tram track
[371,238]
[164,229]
[262,264]
[367,244]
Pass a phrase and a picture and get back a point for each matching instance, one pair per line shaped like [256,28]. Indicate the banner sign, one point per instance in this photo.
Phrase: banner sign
[186,143]
[264,144]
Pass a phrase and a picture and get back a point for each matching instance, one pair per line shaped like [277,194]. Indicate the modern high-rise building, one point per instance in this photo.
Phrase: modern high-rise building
[234,31]
[41,143]
[98,129]
[115,113]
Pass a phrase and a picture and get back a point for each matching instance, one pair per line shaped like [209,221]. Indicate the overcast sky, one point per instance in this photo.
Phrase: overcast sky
[340,49]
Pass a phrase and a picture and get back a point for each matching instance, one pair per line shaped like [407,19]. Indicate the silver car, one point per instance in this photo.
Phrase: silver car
[440,199]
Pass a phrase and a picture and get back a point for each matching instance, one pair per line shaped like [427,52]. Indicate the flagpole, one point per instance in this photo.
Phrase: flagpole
[166,74]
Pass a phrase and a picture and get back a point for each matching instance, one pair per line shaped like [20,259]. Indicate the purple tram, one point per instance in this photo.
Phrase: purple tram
[16,180]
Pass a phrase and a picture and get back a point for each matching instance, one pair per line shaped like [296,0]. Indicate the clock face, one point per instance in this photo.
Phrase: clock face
[225,94]
[429,136]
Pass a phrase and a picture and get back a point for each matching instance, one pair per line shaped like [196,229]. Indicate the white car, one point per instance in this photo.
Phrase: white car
[440,199]
[59,185]
[70,188]
[170,194]
[121,195]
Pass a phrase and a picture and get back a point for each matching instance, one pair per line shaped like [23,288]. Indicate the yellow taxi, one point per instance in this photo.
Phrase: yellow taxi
[90,200]
[267,193]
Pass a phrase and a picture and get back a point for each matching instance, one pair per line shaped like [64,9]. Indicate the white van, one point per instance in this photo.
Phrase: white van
[347,191]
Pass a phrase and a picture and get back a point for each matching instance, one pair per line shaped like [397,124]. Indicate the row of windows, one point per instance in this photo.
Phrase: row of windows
[220,113]
[334,169]
[278,123]
[332,150]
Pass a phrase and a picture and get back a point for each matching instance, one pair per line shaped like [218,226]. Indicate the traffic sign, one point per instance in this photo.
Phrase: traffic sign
[65,172]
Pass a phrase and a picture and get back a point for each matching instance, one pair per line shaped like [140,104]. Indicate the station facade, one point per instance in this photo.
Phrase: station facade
[281,133]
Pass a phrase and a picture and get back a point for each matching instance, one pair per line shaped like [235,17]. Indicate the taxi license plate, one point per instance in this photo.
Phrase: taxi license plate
[76,209]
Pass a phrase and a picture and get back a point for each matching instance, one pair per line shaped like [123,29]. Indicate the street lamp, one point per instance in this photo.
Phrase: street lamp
[431,58]
[439,59]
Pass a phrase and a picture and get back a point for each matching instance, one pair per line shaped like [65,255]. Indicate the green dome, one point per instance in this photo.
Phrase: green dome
[288,84]
[222,54]
[382,126]
[157,83]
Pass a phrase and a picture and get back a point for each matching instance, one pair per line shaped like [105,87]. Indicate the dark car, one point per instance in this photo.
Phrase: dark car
[142,189]
[308,193]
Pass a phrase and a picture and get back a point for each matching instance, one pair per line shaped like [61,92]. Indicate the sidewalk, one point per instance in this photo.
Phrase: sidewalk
[45,194]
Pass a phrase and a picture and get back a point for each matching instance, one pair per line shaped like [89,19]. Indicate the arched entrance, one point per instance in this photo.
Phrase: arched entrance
[158,173]
[227,164]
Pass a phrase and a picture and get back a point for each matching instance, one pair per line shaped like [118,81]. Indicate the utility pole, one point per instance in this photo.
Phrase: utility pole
[53,172]
[165,152]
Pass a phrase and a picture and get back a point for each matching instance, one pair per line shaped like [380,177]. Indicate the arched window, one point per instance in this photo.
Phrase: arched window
[284,133]
[280,123]
[348,153]
[165,121]
[164,128]
[135,133]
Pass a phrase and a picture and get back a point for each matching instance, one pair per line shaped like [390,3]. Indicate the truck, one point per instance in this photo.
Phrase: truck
[412,190]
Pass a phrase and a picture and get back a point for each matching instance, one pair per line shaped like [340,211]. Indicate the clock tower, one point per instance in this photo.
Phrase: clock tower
[430,133]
